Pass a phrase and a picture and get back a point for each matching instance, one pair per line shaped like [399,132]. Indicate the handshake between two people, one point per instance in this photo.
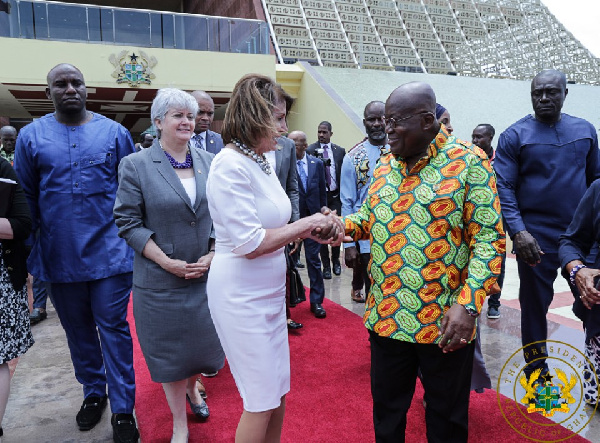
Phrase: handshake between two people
[326,227]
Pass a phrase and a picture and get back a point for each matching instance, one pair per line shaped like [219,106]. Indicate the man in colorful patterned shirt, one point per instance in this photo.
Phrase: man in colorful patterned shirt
[433,218]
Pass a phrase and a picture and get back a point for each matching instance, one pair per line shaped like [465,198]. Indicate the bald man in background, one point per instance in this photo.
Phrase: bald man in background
[8,138]
[203,137]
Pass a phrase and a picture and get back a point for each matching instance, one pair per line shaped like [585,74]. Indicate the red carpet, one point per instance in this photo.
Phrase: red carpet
[330,397]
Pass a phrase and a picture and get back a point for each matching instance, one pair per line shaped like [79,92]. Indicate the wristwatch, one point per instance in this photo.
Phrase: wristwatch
[471,311]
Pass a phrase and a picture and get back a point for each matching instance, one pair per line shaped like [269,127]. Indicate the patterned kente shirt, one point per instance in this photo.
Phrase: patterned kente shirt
[436,238]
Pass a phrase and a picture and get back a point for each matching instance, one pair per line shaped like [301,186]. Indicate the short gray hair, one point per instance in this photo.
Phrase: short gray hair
[171,98]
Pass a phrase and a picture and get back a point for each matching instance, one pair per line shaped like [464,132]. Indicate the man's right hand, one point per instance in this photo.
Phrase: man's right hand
[527,248]
[351,256]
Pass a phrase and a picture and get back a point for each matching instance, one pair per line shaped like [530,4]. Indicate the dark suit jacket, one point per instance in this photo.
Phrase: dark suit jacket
[338,158]
[214,142]
[314,197]
[152,203]
[285,168]
[14,252]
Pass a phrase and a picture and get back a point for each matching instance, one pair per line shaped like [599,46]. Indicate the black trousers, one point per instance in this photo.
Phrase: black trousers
[333,202]
[536,292]
[360,273]
[446,380]
[494,299]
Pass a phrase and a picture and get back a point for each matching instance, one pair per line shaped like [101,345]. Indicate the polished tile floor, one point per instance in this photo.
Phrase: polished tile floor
[45,395]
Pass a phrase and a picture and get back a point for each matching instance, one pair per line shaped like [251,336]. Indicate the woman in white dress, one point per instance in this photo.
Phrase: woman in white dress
[246,285]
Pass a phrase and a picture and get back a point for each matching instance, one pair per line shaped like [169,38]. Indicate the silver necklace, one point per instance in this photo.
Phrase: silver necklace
[258,158]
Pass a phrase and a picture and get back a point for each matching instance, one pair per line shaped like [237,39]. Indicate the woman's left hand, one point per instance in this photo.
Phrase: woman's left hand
[584,280]
[198,269]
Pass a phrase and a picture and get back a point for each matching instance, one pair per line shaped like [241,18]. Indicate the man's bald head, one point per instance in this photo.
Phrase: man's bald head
[294,135]
[411,98]
[8,138]
[201,95]
[548,93]
[299,139]
[410,120]
[206,111]
[8,130]
[58,68]
[552,73]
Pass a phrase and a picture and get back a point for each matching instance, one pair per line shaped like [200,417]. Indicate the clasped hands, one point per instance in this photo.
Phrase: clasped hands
[190,271]
[327,227]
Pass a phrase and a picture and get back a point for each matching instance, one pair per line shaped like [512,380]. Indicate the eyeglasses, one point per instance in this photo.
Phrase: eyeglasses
[392,122]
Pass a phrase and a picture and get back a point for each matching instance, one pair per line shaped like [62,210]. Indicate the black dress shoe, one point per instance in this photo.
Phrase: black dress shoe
[90,412]
[291,324]
[337,269]
[299,265]
[200,411]
[327,273]
[124,428]
[318,310]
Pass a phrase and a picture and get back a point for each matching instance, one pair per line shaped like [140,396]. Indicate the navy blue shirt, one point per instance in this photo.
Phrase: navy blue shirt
[543,171]
[69,175]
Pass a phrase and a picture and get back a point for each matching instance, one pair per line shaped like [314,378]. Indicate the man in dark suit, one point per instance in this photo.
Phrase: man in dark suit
[312,189]
[285,168]
[332,156]
[203,137]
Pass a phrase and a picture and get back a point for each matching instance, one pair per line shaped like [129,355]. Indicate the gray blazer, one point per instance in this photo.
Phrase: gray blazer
[287,173]
[152,203]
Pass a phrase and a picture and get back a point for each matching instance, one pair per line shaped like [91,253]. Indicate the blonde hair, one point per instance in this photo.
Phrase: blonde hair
[249,114]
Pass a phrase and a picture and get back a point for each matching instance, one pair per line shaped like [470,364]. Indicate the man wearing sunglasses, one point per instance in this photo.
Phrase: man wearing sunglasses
[433,218]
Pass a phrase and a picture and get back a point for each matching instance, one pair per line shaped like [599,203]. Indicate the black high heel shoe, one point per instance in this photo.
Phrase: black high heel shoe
[200,411]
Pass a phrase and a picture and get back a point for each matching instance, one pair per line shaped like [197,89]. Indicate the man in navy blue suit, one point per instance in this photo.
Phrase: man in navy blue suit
[312,189]
[203,137]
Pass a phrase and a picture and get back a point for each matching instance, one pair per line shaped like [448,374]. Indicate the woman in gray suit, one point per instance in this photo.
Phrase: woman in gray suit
[161,211]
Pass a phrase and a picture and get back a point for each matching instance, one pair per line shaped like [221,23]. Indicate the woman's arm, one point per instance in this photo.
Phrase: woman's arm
[576,242]
[232,199]
[319,227]
[6,231]
[17,224]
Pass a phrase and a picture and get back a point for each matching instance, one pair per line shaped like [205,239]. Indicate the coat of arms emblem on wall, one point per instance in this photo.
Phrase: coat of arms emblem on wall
[133,69]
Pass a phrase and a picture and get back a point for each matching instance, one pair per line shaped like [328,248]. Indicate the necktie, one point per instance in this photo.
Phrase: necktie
[199,140]
[302,173]
[327,171]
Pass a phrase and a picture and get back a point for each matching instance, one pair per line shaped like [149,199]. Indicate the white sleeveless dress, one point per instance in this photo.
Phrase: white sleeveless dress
[247,296]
